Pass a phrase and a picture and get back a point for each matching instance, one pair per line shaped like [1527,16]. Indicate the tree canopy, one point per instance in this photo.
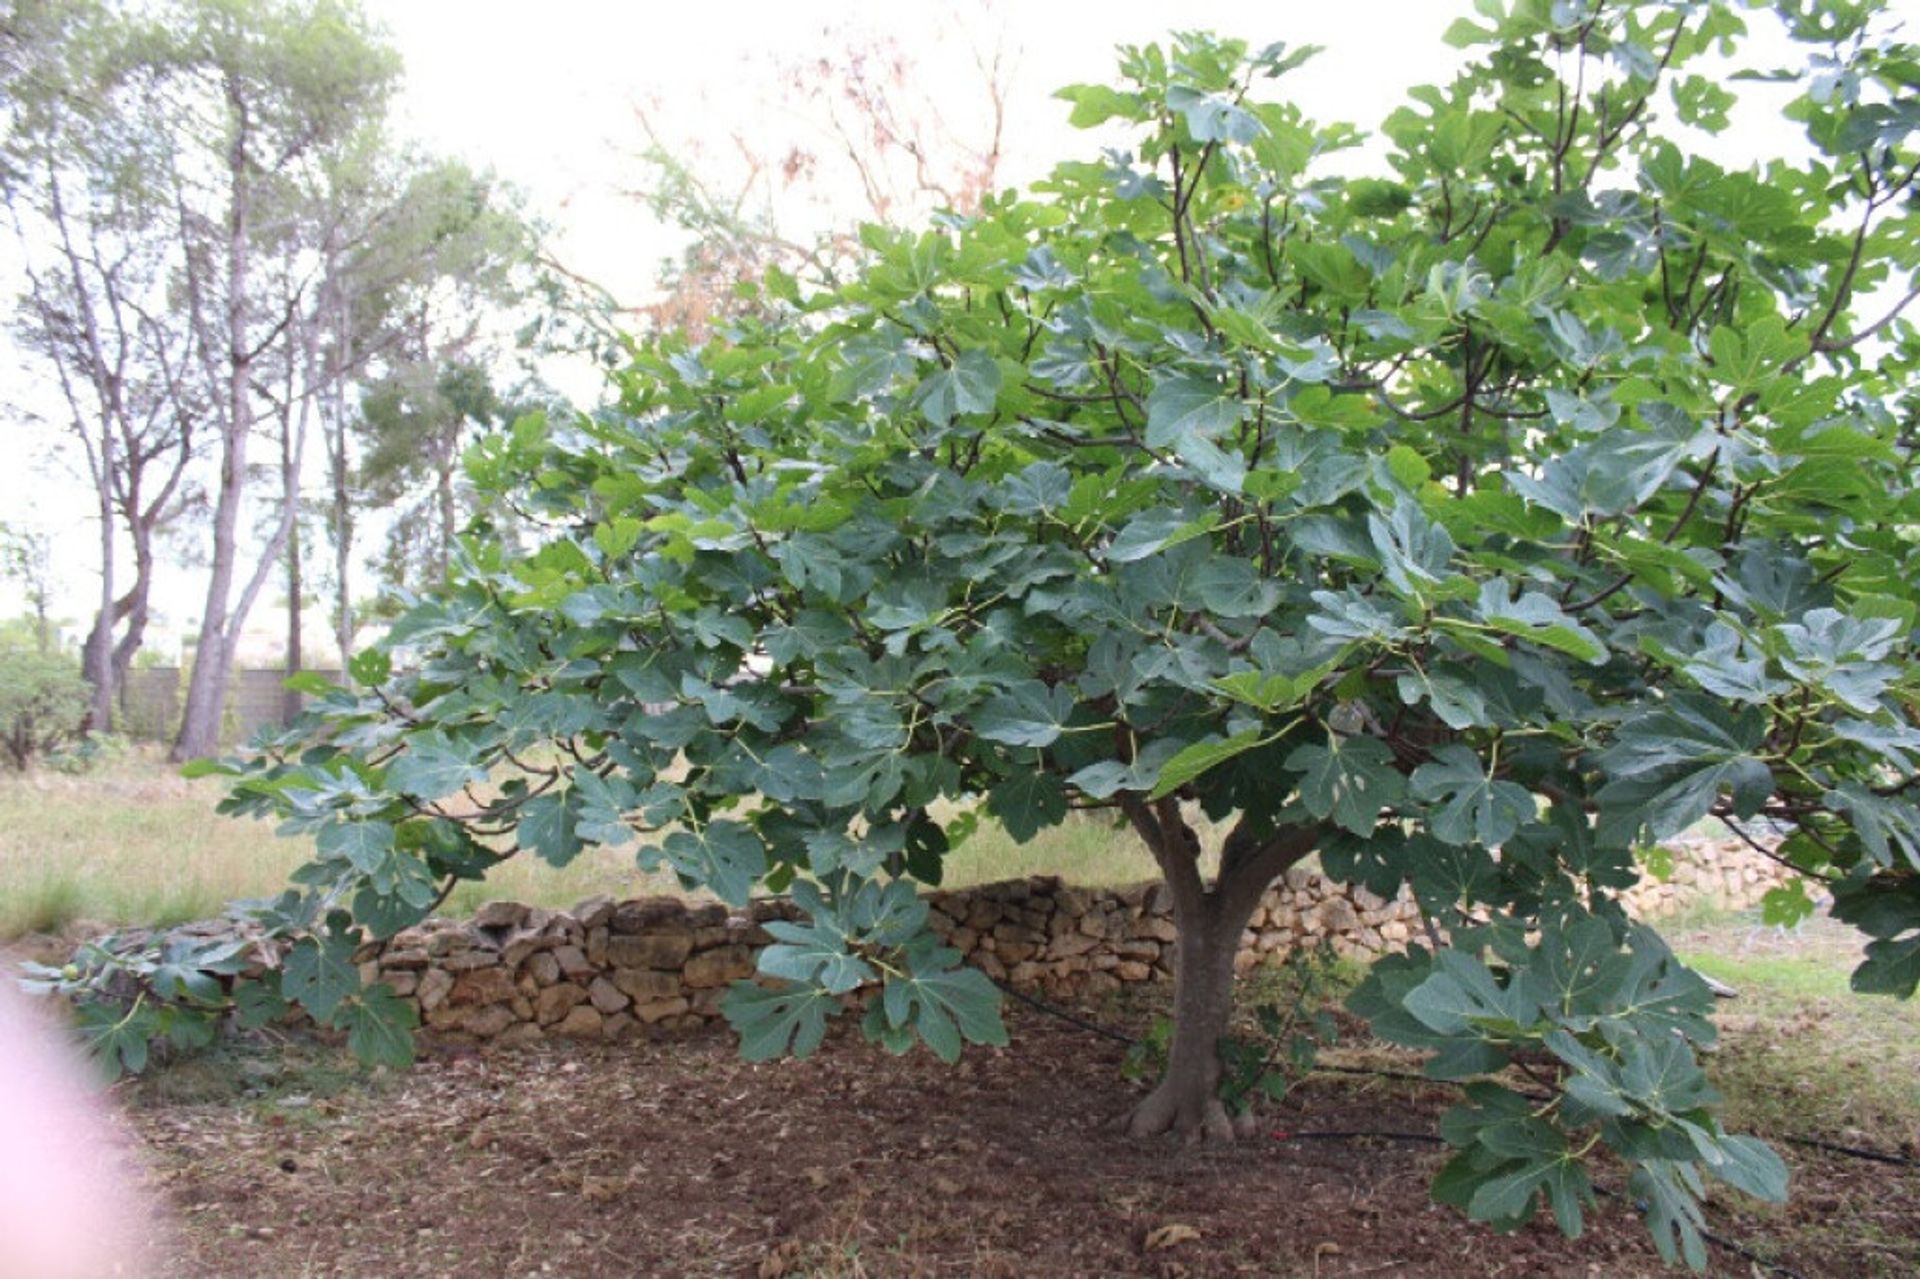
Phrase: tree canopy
[1472,527]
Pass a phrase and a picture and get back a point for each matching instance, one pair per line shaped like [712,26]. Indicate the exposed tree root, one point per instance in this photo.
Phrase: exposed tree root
[1181,1113]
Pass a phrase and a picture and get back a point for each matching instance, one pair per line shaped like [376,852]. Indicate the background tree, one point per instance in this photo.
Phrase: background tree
[855,112]
[265,99]
[26,558]
[469,257]
[1472,529]
[78,172]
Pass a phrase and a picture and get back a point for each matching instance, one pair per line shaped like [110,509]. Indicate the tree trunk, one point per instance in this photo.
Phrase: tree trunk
[98,660]
[135,605]
[212,657]
[337,463]
[1209,921]
[1187,1099]
[291,701]
[207,686]
[449,510]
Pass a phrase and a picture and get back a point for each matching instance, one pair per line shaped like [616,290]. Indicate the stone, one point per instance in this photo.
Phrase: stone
[469,960]
[1157,928]
[412,958]
[518,1035]
[593,912]
[606,996]
[544,968]
[501,915]
[402,984]
[584,1022]
[744,932]
[487,1022]
[618,1027]
[982,915]
[718,966]
[486,986]
[707,915]
[516,951]
[644,914]
[709,937]
[644,985]
[444,1018]
[597,946]
[435,984]
[1134,970]
[1030,973]
[658,949]
[770,908]
[522,1007]
[659,1010]
[572,962]
[448,942]
[1337,915]
[1070,944]
[556,1002]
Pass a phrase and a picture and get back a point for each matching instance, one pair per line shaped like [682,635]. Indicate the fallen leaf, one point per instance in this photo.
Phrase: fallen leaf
[1169,1235]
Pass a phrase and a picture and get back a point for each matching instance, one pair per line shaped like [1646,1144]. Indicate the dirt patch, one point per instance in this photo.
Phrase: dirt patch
[677,1158]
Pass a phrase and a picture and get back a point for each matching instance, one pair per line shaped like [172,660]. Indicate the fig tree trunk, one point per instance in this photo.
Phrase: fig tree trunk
[1209,920]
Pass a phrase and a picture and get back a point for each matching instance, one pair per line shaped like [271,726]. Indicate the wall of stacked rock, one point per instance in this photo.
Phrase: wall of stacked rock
[607,970]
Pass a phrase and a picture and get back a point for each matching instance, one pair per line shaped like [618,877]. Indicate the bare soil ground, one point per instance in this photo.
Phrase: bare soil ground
[676,1158]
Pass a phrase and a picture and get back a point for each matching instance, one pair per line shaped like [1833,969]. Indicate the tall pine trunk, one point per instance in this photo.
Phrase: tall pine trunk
[212,656]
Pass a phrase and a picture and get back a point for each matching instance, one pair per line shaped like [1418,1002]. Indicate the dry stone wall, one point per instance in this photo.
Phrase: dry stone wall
[607,970]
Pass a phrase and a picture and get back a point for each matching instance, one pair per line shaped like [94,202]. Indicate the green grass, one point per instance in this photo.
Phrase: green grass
[1801,1052]
[134,843]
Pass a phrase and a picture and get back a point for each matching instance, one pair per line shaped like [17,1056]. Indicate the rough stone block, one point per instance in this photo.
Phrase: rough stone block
[583,1022]
[556,1002]
[660,1010]
[718,966]
[487,1022]
[644,914]
[485,986]
[645,985]
[593,912]
[606,996]
[435,984]
[501,915]
[661,948]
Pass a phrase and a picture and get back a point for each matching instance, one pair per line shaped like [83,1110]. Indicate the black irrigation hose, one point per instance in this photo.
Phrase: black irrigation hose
[1064,1015]
[1107,1032]
[1855,1152]
[1431,1140]
[1717,1241]
[1381,1134]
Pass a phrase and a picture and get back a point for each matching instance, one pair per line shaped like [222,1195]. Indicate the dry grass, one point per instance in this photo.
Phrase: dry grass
[135,843]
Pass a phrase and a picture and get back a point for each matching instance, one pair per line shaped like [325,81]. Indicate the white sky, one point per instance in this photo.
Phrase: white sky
[544,94]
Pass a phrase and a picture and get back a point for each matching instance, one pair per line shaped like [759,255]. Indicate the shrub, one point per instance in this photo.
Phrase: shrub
[43,703]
